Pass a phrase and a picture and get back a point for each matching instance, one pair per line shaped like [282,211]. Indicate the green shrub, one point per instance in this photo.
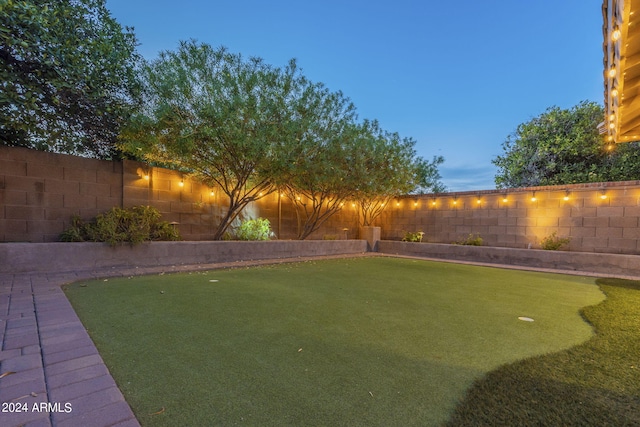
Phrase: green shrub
[254,229]
[413,237]
[553,242]
[133,225]
[471,240]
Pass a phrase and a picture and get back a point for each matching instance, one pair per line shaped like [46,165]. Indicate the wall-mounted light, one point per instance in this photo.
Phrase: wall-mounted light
[567,193]
[212,193]
[415,203]
[616,35]
[455,200]
[433,202]
[181,183]
[612,72]
[533,197]
[397,202]
[143,173]
[603,194]
[505,199]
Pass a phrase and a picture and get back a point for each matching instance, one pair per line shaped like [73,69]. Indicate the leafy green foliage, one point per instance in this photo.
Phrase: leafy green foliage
[218,116]
[67,76]
[553,242]
[413,237]
[250,128]
[471,240]
[384,165]
[564,147]
[134,225]
[254,229]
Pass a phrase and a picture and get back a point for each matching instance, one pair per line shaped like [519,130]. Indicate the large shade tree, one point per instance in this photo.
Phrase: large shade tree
[385,165]
[563,146]
[218,116]
[314,170]
[250,128]
[67,76]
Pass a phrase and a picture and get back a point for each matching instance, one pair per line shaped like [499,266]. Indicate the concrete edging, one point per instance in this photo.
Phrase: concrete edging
[618,265]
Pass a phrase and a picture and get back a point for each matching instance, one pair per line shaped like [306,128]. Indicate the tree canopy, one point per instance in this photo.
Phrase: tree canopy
[218,116]
[67,76]
[563,146]
[250,128]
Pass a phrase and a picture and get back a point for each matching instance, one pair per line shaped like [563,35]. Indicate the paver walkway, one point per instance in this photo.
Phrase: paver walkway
[50,371]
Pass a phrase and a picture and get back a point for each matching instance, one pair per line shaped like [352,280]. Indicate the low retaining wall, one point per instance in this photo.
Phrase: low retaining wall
[581,262]
[76,257]
[60,257]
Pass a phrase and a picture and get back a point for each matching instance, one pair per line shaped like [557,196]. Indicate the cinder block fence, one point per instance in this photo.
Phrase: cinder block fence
[39,192]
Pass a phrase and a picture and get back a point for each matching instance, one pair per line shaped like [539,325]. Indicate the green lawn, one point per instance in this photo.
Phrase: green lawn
[363,341]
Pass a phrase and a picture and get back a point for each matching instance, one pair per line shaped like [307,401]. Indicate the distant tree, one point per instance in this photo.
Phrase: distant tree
[218,116]
[564,147]
[67,76]
[557,147]
[383,166]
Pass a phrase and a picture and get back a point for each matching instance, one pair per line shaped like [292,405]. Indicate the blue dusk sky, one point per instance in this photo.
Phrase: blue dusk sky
[458,77]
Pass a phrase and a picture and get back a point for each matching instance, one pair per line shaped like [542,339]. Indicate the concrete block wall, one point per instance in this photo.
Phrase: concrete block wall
[39,192]
[599,217]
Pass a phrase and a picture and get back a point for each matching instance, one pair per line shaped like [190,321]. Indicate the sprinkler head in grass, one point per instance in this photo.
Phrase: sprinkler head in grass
[525,319]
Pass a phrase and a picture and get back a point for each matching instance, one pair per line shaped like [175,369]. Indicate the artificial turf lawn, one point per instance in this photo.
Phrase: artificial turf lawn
[593,384]
[363,341]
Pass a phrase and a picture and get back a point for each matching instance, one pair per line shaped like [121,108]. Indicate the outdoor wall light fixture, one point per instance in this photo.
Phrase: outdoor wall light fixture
[567,193]
[181,183]
[455,200]
[433,202]
[212,193]
[603,194]
[533,197]
[612,72]
[504,198]
[415,203]
[143,173]
[616,35]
